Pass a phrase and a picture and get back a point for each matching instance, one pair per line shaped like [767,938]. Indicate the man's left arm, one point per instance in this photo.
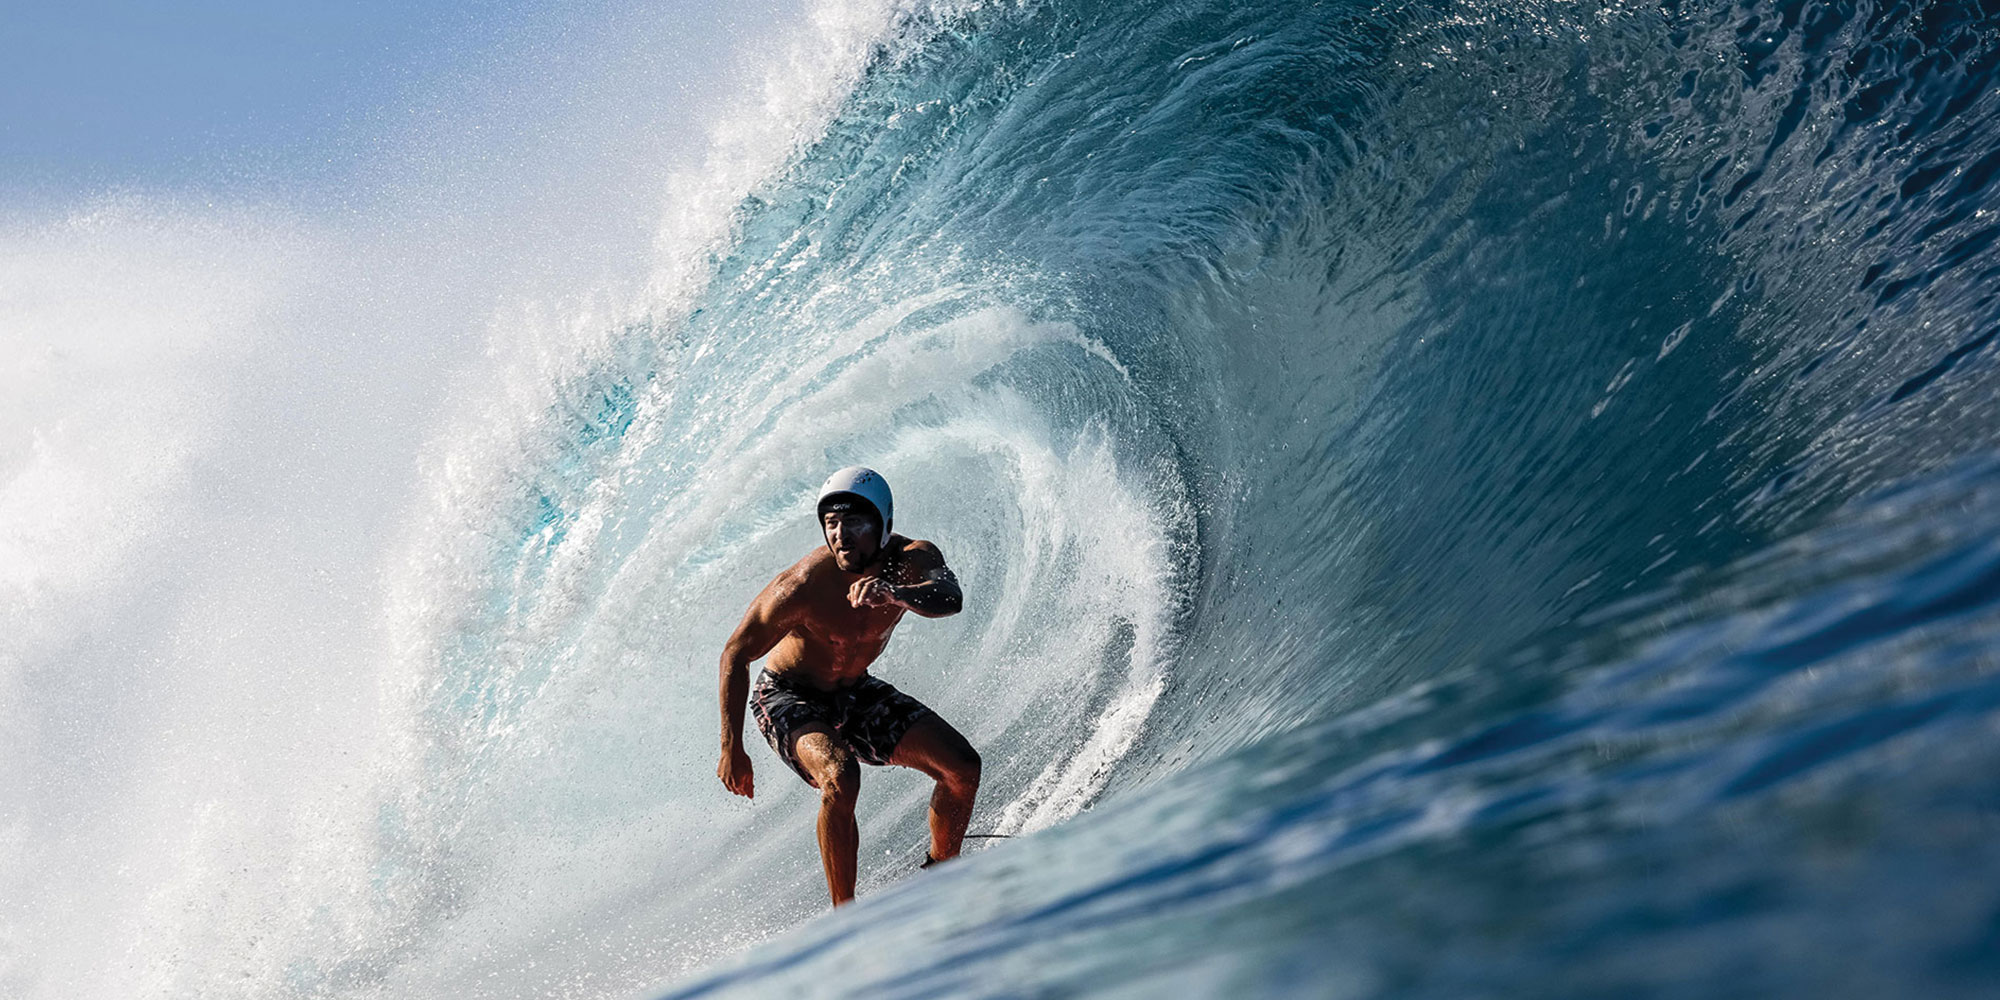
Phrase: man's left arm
[933,591]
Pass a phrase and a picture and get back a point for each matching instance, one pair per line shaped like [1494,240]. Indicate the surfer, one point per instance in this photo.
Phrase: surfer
[823,621]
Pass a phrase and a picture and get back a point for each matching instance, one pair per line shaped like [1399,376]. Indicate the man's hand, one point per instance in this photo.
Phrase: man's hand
[735,772]
[871,592]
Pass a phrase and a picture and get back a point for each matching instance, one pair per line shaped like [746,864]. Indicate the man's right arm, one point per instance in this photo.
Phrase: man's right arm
[762,626]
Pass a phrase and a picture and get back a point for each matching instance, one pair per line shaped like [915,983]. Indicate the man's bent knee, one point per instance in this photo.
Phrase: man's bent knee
[841,785]
[962,771]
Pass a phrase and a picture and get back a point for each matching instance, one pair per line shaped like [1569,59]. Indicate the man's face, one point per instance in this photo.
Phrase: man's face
[854,538]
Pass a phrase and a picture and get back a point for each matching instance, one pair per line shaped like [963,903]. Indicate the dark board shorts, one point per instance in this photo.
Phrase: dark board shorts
[869,717]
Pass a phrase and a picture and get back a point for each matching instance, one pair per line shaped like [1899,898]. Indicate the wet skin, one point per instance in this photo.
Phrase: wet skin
[822,622]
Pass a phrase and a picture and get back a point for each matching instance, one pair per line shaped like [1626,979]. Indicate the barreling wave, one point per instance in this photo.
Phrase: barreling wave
[1482,368]
[1452,498]
[1256,366]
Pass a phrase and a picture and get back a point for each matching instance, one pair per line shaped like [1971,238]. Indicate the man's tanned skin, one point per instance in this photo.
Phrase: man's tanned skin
[822,622]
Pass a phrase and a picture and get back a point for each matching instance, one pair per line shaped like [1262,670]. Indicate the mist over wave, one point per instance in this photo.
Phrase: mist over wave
[1486,499]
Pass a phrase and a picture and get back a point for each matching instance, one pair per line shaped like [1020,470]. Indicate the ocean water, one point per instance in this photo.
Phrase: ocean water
[1454,500]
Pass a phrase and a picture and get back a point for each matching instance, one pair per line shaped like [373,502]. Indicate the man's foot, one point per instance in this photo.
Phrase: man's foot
[928,861]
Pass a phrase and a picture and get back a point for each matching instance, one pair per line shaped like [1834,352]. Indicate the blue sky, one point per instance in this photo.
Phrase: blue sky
[100,94]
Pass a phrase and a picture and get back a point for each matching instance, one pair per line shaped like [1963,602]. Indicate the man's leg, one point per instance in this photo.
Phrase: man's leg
[933,747]
[838,775]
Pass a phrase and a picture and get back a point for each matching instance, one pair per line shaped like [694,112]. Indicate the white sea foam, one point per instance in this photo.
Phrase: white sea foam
[207,426]
[185,667]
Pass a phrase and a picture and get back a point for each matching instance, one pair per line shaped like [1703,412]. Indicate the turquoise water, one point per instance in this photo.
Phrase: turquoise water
[1565,436]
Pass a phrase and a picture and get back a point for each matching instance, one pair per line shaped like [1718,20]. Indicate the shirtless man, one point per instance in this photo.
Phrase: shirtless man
[823,621]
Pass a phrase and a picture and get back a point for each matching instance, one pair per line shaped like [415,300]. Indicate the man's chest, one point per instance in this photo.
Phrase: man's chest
[831,619]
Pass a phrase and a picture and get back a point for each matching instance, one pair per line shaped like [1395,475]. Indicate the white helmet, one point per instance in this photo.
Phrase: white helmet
[865,484]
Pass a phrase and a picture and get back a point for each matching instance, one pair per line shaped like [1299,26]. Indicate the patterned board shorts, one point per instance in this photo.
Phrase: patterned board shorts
[870,717]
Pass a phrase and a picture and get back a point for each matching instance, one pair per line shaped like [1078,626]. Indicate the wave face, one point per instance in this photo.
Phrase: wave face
[1492,499]
[1453,500]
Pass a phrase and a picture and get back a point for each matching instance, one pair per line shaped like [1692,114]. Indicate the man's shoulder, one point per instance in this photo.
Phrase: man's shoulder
[919,546]
[795,579]
[809,566]
[916,559]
